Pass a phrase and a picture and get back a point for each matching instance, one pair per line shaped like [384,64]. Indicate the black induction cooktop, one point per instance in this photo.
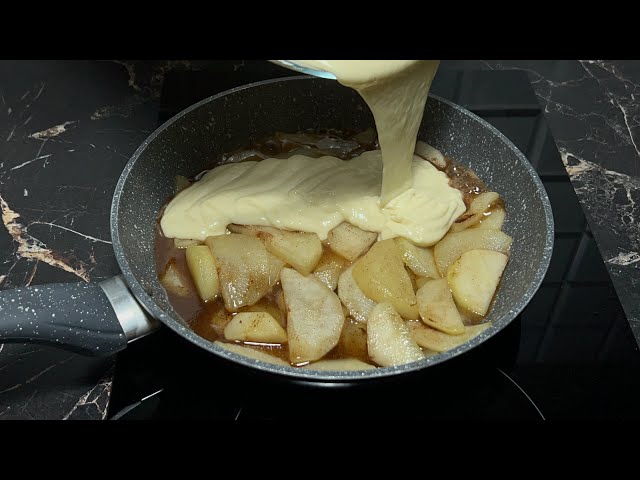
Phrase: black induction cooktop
[570,354]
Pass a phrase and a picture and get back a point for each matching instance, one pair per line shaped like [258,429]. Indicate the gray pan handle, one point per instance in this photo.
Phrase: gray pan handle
[95,319]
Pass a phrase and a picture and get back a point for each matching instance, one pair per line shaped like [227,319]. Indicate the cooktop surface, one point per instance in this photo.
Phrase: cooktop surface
[570,354]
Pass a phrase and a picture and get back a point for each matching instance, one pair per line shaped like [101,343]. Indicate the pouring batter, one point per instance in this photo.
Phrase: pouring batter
[391,192]
[396,92]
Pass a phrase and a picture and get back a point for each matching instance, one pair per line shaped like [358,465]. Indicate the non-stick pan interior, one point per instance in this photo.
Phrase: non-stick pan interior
[194,139]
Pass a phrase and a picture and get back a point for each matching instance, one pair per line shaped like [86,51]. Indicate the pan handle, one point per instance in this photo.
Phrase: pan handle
[95,319]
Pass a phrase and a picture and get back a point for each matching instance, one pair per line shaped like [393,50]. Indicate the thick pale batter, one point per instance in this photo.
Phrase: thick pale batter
[316,194]
[396,92]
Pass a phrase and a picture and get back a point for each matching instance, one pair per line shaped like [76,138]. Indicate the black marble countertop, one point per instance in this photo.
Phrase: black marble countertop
[67,128]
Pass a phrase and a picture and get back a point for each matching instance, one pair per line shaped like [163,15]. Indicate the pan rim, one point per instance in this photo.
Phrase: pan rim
[149,304]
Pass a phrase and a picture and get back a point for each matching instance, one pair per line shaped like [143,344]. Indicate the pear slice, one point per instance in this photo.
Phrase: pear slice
[381,276]
[453,245]
[438,341]
[358,304]
[257,327]
[203,271]
[474,278]
[350,241]
[247,271]
[431,154]
[329,268]
[437,307]
[340,364]
[315,317]
[492,220]
[301,250]
[389,339]
[252,353]
[271,307]
[419,259]
[476,212]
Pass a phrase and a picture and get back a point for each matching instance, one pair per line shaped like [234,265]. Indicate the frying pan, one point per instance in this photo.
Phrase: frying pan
[100,319]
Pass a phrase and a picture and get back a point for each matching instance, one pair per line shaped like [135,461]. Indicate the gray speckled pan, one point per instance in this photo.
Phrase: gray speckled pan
[190,141]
